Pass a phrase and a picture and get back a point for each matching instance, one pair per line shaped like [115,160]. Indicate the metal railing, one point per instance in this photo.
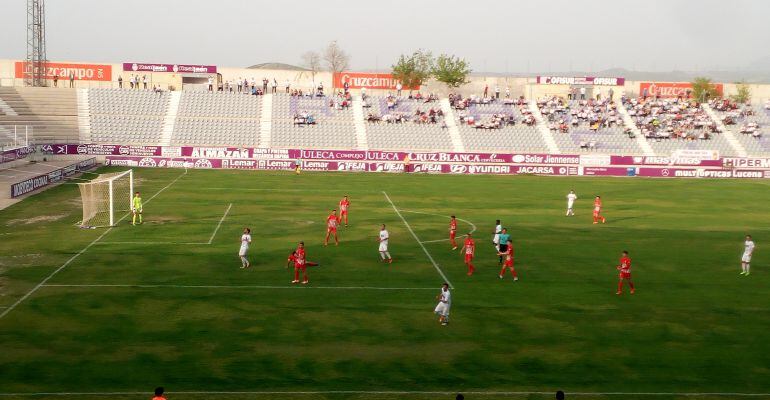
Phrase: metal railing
[15,136]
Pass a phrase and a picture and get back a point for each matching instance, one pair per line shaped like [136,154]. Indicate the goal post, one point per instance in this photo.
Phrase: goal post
[106,198]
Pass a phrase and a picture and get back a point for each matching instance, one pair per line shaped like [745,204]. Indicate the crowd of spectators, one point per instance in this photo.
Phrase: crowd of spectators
[565,115]
[733,113]
[670,118]
[431,115]
[467,112]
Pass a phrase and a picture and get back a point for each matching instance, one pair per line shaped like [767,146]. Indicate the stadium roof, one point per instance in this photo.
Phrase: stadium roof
[273,65]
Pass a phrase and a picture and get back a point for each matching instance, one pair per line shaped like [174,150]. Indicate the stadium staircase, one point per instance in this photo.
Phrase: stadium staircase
[629,122]
[360,124]
[170,119]
[6,109]
[553,148]
[51,112]
[266,121]
[84,116]
[451,123]
[740,151]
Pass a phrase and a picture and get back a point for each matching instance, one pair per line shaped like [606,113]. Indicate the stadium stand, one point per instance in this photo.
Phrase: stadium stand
[497,125]
[587,125]
[217,118]
[313,122]
[673,124]
[50,114]
[749,123]
[127,116]
[414,124]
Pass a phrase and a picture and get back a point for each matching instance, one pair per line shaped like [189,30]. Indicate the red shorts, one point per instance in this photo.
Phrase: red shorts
[625,275]
[452,234]
[508,263]
[331,230]
[468,258]
[596,213]
[343,212]
[300,267]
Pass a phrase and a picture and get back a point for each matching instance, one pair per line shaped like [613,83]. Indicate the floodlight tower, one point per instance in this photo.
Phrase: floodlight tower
[35,68]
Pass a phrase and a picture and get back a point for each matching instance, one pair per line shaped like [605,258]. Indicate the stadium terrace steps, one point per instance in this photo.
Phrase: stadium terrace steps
[170,120]
[333,128]
[754,146]
[640,139]
[553,148]
[50,112]
[451,123]
[266,121]
[508,138]
[127,116]
[217,119]
[407,135]
[728,134]
[360,124]
[84,118]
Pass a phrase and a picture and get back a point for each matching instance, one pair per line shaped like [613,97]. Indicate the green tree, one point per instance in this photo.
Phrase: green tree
[452,71]
[413,69]
[703,89]
[742,93]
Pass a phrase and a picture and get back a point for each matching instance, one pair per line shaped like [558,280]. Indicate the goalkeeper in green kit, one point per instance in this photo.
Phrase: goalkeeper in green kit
[136,208]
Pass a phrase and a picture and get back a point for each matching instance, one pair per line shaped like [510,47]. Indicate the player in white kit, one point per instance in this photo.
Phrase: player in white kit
[384,236]
[496,237]
[571,197]
[748,250]
[444,304]
[245,241]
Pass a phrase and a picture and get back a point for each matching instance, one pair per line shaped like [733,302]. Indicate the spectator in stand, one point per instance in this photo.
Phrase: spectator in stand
[275,85]
[398,89]
[287,85]
[72,78]
[131,82]
[497,92]
[598,94]
[486,90]
[363,92]
[120,82]
[507,92]
[264,84]
[645,94]
[253,84]
[610,93]
[56,80]
[582,93]
[240,84]
[211,84]
[346,87]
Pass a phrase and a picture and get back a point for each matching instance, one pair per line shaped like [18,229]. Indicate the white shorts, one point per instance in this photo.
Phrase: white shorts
[442,309]
[569,205]
[383,246]
[496,238]
[243,251]
[746,258]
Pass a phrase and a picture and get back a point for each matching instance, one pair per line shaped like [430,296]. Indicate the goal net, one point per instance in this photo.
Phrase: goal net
[106,198]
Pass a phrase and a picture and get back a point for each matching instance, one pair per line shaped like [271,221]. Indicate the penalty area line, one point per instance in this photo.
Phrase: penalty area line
[414,235]
[473,226]
[128,286]
[400,393]
[78,254]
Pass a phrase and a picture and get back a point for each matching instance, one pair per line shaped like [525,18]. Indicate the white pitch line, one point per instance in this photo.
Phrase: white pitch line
[473,227]
[399,393]
[427,253]
[78,254]
[149,243]
[235,287]
[211,239]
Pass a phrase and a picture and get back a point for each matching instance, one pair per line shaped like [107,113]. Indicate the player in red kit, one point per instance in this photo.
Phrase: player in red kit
[598,210]
[331,228]
[625,273]
[508,263]
[453,232]
[300,264]
[469,249]
[344,204]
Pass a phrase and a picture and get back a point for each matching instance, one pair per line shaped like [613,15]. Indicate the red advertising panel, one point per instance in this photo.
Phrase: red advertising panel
[358,80]
[672,89]
[83,72]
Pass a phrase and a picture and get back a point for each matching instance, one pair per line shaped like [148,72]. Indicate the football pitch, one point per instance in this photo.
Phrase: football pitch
[112,313]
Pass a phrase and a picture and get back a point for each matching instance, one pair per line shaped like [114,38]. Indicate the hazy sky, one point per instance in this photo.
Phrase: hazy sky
[495,36]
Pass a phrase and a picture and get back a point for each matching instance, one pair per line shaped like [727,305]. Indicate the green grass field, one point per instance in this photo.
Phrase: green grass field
[132,310]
